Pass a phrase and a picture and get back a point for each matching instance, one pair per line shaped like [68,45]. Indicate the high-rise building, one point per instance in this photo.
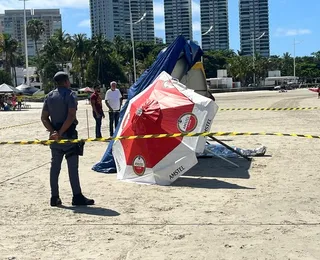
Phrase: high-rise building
[158,40]
[14,26]
[254,21]
[101,17]
[214,13]
[112,18]
[1,23]
[178,19]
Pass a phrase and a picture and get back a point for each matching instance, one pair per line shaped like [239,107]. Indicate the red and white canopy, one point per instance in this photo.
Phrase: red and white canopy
[315,89]
[165,107]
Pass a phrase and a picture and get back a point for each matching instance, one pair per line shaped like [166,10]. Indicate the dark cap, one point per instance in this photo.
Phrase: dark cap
[60,76]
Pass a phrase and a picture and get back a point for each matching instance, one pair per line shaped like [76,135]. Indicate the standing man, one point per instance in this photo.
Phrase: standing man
[96,103]
[113,101]
[59,118]
[19,99]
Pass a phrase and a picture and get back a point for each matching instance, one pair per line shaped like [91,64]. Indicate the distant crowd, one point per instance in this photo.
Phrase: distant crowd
[10,102]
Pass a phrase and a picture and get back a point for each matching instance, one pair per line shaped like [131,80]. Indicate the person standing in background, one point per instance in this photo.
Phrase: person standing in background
[19,99]
[98,114]
[113,101]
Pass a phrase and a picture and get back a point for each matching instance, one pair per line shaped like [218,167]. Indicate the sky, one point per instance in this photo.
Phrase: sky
[289,20]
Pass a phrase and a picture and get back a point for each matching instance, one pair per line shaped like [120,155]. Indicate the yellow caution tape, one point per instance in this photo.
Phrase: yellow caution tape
[157,136]
[270,109]
[13,126]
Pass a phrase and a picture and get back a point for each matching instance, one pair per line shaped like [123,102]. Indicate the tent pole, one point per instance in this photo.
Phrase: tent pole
[222,158]
[87,123]
[230,148]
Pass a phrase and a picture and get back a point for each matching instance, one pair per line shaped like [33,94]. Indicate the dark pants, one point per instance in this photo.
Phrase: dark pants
[98,125]
[57,152]
[113,121]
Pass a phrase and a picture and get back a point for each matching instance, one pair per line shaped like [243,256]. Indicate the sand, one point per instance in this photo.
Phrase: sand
[267,209]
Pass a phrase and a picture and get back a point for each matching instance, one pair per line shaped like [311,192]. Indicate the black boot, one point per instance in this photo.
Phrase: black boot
[80,200]
[55,201]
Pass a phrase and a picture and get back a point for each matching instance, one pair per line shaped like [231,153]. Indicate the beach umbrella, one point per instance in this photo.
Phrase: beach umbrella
[4,88]
[315,89]
[87,90]
[27,90]
[165,107]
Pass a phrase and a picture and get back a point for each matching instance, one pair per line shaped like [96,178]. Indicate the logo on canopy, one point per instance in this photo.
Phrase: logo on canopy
[187,122]
[139,165]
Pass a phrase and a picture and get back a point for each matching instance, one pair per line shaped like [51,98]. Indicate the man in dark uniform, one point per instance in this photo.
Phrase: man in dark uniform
[59,118]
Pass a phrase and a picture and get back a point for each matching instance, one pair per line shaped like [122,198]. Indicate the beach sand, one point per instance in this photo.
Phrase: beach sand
[266,209]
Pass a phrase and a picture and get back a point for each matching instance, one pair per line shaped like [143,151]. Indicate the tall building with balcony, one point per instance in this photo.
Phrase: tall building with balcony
[1,23]
[13,23]
[178,19]
[214,13]
[112,18]
[254,21]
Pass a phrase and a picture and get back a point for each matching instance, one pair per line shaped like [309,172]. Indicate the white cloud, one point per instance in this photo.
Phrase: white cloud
[159,26]
[195,9]
[41,4]
[84,23]
[196,26]
[280,32]
[158,9]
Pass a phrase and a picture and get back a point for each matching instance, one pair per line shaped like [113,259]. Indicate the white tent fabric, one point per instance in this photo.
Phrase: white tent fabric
[27,90]
[4,88]
[177,161]
[196,79]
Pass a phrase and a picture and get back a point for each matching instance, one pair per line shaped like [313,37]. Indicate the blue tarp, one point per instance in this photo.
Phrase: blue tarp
[166,61]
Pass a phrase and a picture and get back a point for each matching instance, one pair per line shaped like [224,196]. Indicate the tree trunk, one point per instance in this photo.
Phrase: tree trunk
[98,76]
[15,76]
[36,48]
[7,65]
[82,71]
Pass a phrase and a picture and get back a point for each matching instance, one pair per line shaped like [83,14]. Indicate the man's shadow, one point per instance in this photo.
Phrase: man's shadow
[96,211]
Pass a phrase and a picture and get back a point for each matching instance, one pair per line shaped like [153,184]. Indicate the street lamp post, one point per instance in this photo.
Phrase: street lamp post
[207,32]
[132,40]
[26,40]
[294,58]
[253,54]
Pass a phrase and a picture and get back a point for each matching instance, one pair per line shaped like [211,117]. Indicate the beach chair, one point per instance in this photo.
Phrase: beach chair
[25,105]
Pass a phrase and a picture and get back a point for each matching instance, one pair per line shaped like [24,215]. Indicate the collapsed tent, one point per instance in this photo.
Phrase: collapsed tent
[27,90]
[165,107]
[181,51]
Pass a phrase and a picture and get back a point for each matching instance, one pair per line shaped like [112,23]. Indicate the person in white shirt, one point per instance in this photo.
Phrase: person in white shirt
[113,101]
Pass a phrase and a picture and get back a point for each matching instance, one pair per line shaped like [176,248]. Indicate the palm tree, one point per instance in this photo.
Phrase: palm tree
[316,55]
[80,49]
[64,44]
[35,29]
[240,68]
[287,64]
[100,50]
[119,45]
[9,48]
